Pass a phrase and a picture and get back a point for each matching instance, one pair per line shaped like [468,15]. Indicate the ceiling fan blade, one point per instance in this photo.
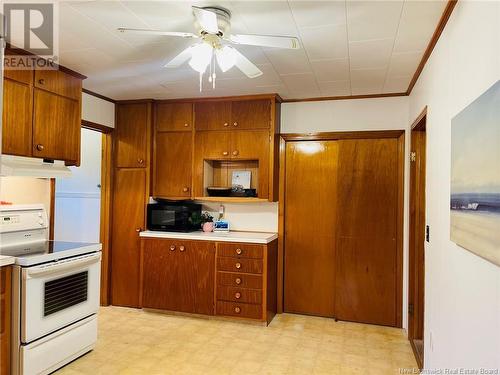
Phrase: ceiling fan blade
[289,42]
[206,19]
[246,66]
[157,32]
[180,59]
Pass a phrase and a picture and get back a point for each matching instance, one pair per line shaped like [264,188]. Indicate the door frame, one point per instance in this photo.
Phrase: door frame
[416,237]
[377,134]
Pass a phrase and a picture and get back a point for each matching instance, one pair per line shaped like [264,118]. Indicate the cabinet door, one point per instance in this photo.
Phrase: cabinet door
[212,115]
[17,118]
[213,145]
[173,165]
[59,83]
[251,114]
[132,131]
[174,116]
[179,275]
[56,127]
[129,202]
[5,319]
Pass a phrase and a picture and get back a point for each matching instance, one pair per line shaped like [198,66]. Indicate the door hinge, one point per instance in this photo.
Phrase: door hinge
[413,156]
[410,309]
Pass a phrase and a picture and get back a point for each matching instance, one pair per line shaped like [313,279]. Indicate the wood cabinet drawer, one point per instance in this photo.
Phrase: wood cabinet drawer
[238,294]
[243,310]
[239,280]
[239,265]
[240,250]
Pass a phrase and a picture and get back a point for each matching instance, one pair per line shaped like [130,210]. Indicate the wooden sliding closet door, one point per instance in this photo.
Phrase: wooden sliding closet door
[310,199]
[366,259]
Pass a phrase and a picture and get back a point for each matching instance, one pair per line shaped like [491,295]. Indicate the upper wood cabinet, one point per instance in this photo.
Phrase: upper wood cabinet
[212,115]
[132,135]
[42,114]
[174,117]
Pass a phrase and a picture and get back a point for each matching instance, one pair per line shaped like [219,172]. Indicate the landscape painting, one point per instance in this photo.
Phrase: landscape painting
[475,176]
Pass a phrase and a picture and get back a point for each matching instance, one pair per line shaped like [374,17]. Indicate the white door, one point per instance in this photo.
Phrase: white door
[78,198]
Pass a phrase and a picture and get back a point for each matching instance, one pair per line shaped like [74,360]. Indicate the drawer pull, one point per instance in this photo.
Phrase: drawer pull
[186,125]
[237,295]
[235,124]
[226,124]
[185,189]
[225,153]
[238,265]
[39,147]
[41,81]
[140,161]
[237,310]
[235,152]
[172,247]
[238,251]
[237,281]
[182,248]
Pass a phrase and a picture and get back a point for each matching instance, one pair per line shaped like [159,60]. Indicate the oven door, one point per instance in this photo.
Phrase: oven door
[59,293]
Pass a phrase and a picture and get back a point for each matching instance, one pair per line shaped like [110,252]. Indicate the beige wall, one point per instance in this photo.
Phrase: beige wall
[25,190]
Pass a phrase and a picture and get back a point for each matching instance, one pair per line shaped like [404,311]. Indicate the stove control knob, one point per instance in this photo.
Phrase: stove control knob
[40,222]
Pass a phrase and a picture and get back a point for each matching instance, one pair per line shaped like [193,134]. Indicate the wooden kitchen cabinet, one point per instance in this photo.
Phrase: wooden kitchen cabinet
[178,275]
[251,114]
[213,115]
[5,319]
[129,202]
[59,83]
[174,117]
[173,165]
[56,127]
[132,134]
[213,145]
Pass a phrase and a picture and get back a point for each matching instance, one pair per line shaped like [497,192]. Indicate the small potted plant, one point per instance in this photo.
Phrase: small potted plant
[207,222]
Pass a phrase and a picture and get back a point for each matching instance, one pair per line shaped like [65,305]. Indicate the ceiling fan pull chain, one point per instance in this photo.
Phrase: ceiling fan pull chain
[201,81]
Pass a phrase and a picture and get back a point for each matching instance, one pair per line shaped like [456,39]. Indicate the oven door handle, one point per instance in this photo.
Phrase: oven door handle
[61,266]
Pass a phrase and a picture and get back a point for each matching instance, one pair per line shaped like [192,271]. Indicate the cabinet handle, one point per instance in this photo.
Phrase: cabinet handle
[41,81]
[235,152]
[186,125]
[225,153]
[237,310]
[172,247]
[182,248]
[185,189]
[235,124]
[238,251]
[238,265]
[39,147]
[140,161]
[137,229]
[226,124]
[237,295]
[237,281]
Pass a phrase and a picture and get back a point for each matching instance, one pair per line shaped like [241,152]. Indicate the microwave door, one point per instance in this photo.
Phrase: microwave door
[163,219]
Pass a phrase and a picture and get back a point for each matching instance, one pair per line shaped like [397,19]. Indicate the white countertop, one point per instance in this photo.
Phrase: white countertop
[6,260]
[232,236]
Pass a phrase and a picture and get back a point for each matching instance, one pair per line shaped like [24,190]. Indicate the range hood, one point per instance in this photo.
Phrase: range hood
[32,167]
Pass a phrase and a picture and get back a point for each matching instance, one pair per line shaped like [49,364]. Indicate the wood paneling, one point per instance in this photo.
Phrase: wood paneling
[310,222]
[59,82]
[181,279]
[56,127]
[240,265]
[5,319]
[129,199]
[17,117]
[366,266]
[133,122]
[251,114]
[106,215]
[239,294]
[174,117]
[237,309]
[22,76]
[173,165]
[243,250]
[238,279]
[212,115]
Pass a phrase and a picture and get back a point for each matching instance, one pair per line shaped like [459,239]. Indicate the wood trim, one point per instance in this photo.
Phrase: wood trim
[281,225]
[418,124]
[52,208]
[448,10]
[98,95]
[223,98]
[346,97]
[135,101]
[400,230]
[97,127]
[342,135]
[105,231]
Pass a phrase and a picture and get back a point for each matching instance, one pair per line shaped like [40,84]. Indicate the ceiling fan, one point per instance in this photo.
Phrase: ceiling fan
[213,26]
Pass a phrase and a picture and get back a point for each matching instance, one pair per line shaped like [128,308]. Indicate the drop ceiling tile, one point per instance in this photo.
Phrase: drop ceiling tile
[369,79]
[288,61]
[404,64]
[370,54]
[331,70]
[335,88]
[267,17]
[396,84]
[373,19]
[418,22]
[301,83]
[325,42]
[315,13]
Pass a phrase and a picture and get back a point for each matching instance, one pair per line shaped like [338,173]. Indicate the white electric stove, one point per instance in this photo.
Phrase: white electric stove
[56,288]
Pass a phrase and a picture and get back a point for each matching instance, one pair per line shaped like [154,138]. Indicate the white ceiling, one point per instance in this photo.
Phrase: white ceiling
[349,47]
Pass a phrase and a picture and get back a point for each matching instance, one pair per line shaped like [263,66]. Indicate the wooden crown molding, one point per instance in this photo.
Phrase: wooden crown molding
[95,94]
[97,127]
[345,97]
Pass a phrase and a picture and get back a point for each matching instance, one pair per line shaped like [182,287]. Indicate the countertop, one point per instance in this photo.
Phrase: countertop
[232,236]
[6,260]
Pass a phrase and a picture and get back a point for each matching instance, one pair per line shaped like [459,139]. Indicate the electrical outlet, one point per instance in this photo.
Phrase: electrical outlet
[427,233]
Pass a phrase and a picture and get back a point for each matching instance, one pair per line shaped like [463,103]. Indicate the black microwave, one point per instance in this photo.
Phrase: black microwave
[174,216]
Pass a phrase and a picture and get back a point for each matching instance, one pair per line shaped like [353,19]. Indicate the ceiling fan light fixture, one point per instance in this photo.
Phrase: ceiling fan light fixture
[201,54]
[226,58]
